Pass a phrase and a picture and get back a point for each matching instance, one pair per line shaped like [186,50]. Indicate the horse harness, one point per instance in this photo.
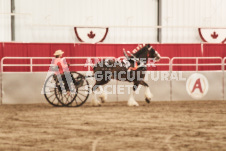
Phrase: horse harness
[135,60]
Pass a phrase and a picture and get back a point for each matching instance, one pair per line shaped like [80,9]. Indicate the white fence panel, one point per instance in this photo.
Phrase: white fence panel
[213,89]
[22,88]
[26,87]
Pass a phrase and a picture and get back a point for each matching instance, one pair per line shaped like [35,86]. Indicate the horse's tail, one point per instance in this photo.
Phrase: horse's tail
[94,67]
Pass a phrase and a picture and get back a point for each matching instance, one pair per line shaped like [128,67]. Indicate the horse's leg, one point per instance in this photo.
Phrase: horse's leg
[106,78]
[103,96]
[132,101]
[148,94]
[95,101]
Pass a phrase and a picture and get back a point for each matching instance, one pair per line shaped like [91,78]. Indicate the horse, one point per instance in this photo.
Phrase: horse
[117,69]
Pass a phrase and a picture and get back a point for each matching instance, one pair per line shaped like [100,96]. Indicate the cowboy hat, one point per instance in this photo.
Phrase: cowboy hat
[58,52]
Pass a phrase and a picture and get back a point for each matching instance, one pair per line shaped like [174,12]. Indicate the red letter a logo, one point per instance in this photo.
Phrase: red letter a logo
[197,85]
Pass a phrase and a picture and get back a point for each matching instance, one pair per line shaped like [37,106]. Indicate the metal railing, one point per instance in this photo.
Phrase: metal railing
[89,63]
[196,64]
[223,70]
[31,65]
[223,63]
[153,64]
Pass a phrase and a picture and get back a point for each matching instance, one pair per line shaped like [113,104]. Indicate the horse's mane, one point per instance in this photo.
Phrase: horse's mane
[140,51]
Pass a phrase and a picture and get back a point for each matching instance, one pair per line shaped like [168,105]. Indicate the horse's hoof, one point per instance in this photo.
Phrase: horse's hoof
[95,103]
[102,99]
[147,100]
[133,104]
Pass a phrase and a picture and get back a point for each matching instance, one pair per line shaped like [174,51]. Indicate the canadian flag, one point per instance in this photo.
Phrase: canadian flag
[213,35]
[91,34]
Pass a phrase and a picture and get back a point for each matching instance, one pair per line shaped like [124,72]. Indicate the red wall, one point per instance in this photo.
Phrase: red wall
[47,50]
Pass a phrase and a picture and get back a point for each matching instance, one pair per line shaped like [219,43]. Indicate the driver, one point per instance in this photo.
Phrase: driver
[60,62]
[63,70]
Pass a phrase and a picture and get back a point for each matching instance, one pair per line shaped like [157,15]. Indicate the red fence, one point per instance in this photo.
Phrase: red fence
[95,50]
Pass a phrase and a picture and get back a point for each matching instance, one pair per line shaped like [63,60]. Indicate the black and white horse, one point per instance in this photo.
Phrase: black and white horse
[115,69]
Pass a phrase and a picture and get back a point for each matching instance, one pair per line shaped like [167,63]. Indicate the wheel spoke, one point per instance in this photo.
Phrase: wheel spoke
[55,99]
[51,95]
[82,94]
[66,99]
[80,98]
[76,102]
[72,95]
[52,90]
[58,103]
[55,96]
[50,84]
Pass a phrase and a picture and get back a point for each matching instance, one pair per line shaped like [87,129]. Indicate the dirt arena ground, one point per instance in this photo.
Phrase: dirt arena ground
[197,125]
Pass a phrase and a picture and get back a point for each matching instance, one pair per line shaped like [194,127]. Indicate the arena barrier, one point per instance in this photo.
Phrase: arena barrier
[25,87]
[213,88]
[224,79]
[22,88]
[214,92]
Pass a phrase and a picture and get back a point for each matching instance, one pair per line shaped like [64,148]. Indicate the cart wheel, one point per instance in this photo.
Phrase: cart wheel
[65,98]
[50,90]
[82,89]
